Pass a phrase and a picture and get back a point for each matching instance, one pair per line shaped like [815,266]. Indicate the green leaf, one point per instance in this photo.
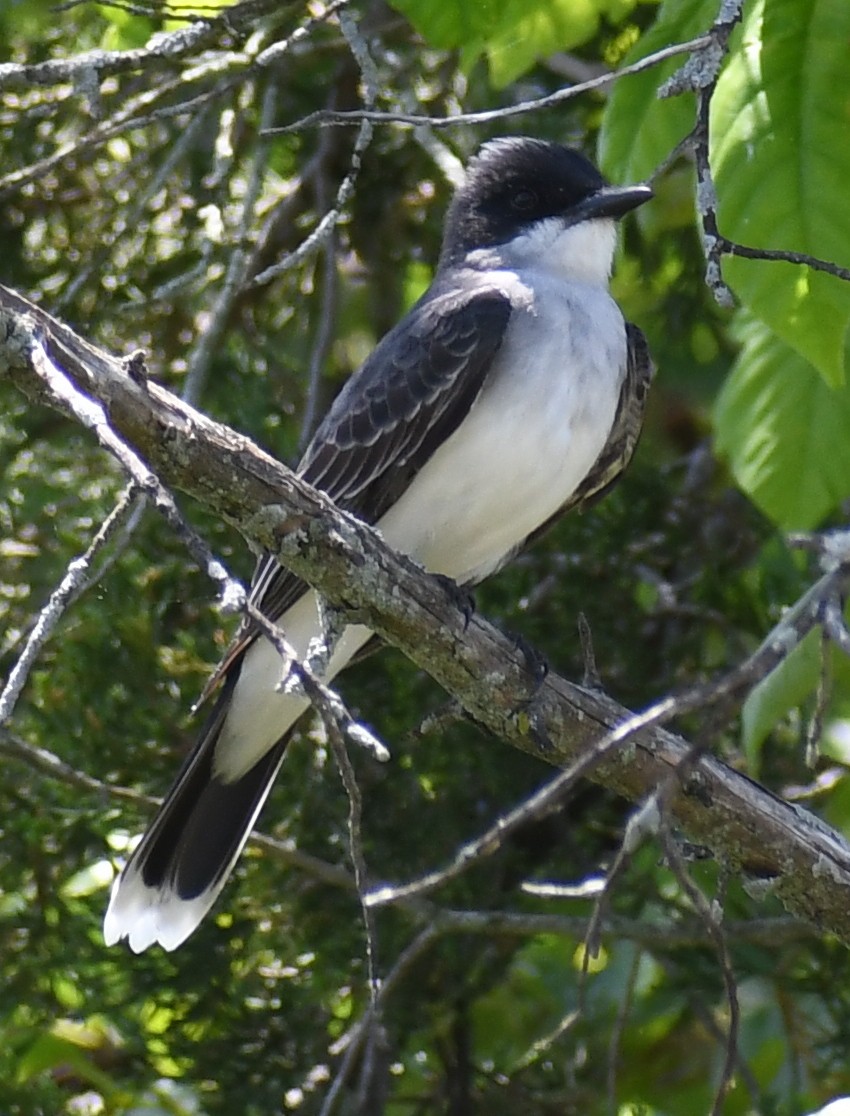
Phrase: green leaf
[512,34]
[638,130]
[125,30]
[784,689]
[784,430]
[779,120]
[70,1043]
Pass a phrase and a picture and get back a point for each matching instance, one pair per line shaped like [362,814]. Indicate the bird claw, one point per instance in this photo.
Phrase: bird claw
[538,667]
[462,597]
[535,661]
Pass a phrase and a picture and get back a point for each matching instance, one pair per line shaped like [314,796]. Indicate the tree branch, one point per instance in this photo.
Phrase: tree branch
[779,847]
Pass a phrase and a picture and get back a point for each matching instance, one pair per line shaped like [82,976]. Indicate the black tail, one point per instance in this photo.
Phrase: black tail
[190,848]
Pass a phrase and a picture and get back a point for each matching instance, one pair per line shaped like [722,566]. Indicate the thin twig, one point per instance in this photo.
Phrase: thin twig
[711,918]
[327,304]
[330,220]
[700,75]
[130,117]
[73,583]
[48,763]
[728,247]
[536,806]
[176,149]
[167,48]
[352,1041]
[357,116]
[235,276]
[91,415]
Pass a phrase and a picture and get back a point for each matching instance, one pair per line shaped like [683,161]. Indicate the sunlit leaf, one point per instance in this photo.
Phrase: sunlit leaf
[779,119]
[512,34]
[784,431]
[784,689]
[638,129]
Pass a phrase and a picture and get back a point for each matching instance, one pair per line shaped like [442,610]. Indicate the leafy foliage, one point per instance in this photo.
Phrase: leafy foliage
[511,34]
[783,429]
[781,174]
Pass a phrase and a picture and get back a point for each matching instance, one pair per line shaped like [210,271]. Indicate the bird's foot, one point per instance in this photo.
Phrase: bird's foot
[538,668]
[461,597]
[535,661]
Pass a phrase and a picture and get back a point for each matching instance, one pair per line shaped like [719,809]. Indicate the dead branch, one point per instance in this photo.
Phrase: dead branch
[778,847]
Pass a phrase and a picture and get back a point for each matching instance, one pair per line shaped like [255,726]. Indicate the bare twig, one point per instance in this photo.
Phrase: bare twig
[699,75]
[711,916]
[327,304]
[73,583]
[167,48]
[535,807]
[835,625]
[541,1046]
[814,727]
[642,823]
[352,1041]
[723,691]
[90,414]
[227,69]
[728,247]
[235,276]
[326,701]
[590,675]
[339,725]
[330,220]
[49,764]
[357,116]
[176,151]
[136,113]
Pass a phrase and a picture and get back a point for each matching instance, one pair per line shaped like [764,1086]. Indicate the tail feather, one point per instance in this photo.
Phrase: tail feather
[187,854]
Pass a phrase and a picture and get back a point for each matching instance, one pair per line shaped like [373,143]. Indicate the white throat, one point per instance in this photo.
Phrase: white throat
[582,252]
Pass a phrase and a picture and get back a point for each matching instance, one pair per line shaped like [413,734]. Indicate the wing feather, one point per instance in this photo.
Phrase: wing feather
[411,394]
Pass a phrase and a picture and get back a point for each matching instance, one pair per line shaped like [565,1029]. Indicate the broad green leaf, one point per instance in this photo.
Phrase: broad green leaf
[779,124]
[512,34]
[638,130]
[785,431]
[125,30]
[784,689]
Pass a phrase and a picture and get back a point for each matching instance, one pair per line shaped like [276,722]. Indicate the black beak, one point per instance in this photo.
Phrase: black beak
[611,201]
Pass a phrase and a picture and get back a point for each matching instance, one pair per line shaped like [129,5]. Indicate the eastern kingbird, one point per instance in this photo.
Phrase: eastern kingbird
[512,391]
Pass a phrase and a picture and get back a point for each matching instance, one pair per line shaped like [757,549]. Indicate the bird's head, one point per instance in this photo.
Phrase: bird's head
[534,202]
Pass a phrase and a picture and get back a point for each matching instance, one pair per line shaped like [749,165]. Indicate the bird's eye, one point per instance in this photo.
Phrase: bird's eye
[524,200]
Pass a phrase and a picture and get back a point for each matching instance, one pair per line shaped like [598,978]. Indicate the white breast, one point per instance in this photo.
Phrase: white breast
[531,437]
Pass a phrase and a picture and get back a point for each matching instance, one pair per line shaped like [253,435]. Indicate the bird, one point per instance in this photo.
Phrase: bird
[512,391]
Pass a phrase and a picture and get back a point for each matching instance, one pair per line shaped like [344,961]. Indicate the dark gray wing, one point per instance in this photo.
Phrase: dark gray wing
[625,433]
[411,394]
[628,422]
